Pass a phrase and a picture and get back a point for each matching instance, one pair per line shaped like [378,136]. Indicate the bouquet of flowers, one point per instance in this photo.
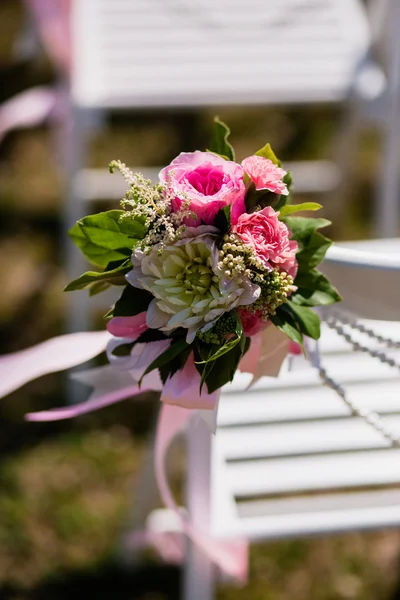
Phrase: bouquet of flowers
[212,261]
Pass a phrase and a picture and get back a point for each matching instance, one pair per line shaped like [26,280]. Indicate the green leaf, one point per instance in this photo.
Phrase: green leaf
[176,364]
[103,238]
[228,344]
[288,325]
[114,276]
[288,180]
[123,349]
[307,320]
[151,335]
[219,141]
[259,198]
[173,351]
[313,253]
[223,219]
[227,347]
[132,302]
[98,287]
[282,201]
[293,208]
[266,152]
[303,227]
[314,289]
[95,254]
[217,364]
[220,371]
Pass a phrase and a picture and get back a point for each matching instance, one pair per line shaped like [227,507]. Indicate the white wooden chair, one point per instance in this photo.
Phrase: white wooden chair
[289,457]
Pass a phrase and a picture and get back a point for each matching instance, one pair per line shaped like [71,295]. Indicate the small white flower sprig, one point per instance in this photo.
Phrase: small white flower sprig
[151,205]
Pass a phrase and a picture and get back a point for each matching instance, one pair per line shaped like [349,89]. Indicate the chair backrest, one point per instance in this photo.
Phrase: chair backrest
[184,53]
[367,275]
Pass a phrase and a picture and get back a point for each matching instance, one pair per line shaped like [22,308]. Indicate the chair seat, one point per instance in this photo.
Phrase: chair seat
[288,458]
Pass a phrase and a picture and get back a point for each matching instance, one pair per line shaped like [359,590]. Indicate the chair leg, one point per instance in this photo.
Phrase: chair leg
[75,148]
[198,576]
[145,499]
[199,571]
[389,208]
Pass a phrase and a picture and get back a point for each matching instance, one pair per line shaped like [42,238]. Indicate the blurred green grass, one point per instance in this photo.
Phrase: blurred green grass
[66,489]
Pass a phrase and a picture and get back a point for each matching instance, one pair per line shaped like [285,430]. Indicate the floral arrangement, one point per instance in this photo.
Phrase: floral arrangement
[208,258]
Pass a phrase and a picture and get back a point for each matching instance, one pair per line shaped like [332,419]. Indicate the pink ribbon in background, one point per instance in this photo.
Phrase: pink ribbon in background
[179,397]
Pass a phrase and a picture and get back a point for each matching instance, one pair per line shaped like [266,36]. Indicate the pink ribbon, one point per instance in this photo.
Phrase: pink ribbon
[179,396]
[29,108]
[56,354]
[53,23]
[231,557]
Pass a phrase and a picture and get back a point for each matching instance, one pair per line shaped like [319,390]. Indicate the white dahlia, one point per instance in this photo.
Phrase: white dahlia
[189,288]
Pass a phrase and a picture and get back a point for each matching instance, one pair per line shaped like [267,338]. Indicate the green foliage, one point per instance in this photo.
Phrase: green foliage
[295,321]
[267,152]
[258,199]
[223,219]
[217,364]
[106,237]
[167,361]
[314,252]
[219,141]
[314,289]
[114,276]
[293,208]
[151,335]
[288,180]
[132,302]
[303,227]
[222,370]
[307,321]
[286,323]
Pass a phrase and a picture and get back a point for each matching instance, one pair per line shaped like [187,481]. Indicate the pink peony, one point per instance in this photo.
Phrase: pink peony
[252,322]
[209,181]
[265,174]
[270,239]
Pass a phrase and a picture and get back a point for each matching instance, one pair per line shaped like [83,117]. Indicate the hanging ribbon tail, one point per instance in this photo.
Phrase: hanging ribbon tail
[109,386]
[273,349]
[231,557]
[59,353]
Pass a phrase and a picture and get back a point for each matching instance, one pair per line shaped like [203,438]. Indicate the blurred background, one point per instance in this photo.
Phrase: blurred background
[66,488]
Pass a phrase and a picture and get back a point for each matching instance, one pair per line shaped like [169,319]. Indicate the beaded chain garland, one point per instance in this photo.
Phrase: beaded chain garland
[338,322]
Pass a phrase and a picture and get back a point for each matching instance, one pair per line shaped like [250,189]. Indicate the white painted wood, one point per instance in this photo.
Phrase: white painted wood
[198,577]
[319,503]
[319,472]
[284,405]
[316,523]
[293,461]
[264,441]
[170,53]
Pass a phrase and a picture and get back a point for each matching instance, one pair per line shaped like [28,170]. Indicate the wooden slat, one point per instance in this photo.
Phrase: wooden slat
[262,441]
[164,53]
[268,527]
[324,472]
[284,405]
[321,503]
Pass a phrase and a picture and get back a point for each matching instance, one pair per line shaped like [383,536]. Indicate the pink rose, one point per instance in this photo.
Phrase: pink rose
[252,322]
[265,174]
[270,239]
[209,181]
